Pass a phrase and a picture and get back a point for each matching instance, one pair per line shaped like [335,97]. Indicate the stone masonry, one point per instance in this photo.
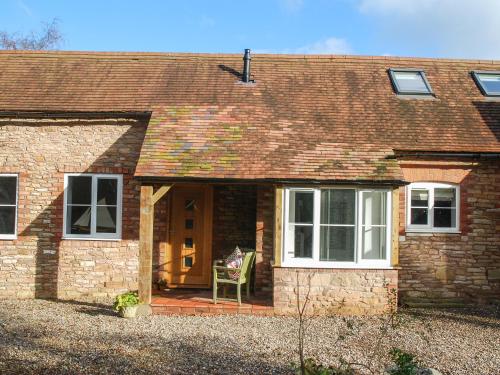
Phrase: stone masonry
[39,263]
[335,291]
[454,267]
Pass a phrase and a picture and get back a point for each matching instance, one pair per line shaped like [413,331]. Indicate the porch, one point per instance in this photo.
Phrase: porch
[179,242]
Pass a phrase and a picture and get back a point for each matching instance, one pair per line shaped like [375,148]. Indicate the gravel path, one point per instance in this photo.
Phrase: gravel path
[78,338]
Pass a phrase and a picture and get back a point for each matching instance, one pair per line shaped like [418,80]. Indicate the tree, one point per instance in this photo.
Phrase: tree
[49,38]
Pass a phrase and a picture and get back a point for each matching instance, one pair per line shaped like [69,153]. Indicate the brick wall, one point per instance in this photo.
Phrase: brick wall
[233,218]
[264,239]
[462,267]
[39,263]
[335,291]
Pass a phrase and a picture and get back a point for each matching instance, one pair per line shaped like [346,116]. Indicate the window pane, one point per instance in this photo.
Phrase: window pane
[7,220]
[8,189]
[106,220]
[491,82]
[410,82]
[373,242]
[302,239]
[107,191]
[301,207]
[79,189]
[78,220]
[419,216]
[338,206]
[374,208]
[444,217]
[419,198]
[444,197]
[337,244]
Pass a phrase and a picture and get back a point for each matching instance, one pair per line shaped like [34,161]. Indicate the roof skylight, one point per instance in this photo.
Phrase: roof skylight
[410,82]
[488,82]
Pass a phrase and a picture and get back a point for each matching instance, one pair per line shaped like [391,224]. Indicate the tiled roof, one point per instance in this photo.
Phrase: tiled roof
[305,117]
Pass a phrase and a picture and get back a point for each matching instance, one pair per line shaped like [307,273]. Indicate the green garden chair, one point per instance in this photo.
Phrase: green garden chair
[222,275]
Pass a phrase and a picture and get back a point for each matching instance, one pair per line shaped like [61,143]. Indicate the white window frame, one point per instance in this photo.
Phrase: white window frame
[429,227]
[288,260]
[14,235]
[93,234]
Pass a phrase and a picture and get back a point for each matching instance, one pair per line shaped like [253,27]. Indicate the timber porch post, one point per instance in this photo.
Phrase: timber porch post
[148,200]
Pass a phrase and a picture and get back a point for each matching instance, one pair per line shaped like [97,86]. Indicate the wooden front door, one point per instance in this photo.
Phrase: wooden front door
[189,249]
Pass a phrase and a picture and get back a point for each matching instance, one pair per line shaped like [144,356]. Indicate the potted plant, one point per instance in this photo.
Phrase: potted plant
[127,304]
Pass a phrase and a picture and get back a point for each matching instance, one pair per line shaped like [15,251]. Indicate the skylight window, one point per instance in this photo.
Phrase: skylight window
[488,82]
[410,82]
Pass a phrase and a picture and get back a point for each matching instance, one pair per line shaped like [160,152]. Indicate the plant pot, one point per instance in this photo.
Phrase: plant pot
[128,312]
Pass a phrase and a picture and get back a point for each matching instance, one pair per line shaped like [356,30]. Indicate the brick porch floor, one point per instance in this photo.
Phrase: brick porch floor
[199,302]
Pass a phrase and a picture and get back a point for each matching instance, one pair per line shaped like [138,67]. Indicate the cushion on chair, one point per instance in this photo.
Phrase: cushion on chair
[234,260]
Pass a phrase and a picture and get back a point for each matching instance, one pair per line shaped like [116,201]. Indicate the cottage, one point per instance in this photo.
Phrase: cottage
[369,174]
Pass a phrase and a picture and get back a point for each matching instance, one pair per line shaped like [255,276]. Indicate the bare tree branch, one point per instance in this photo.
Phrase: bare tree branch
[49,38]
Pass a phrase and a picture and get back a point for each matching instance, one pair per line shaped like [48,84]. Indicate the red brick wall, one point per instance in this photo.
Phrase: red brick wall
[264,238]
[460,267]
[39,263]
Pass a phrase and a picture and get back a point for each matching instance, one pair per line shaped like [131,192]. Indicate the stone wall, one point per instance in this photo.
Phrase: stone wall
[39,263]
[454,268]
[335,291]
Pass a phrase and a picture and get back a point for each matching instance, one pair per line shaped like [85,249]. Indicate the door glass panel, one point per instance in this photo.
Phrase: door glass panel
[106,219]
[374,225]
[7,219]
[78,219]
[189,224]
[79,190]
[107,189]
[189,205]
[8,186]
[188,262]
[337,243]
[188,243]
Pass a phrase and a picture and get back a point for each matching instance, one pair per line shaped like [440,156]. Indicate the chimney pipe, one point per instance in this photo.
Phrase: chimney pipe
[246,66]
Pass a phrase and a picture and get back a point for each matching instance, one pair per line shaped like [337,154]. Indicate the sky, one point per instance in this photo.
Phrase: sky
[423,28]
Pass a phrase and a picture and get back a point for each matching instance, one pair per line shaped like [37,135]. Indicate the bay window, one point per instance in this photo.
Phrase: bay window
[432,207]
[336,227]
[92,206]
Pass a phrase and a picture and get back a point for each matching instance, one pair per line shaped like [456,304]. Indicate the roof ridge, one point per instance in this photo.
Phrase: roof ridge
[266,56]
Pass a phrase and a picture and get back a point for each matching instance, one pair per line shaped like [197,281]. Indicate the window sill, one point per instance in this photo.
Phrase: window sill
[337,266]
[8,237]
[90,239]
[432,231]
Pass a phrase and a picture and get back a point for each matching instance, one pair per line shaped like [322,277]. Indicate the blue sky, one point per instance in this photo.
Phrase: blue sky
[430,28]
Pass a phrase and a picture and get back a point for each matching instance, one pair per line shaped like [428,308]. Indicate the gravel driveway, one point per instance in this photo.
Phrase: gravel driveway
[78,338]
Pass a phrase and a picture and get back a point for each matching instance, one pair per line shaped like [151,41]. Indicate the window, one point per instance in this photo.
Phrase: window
[488,82]
[336,227]
[432,207]
[92,206]
[8,206]
[410,82]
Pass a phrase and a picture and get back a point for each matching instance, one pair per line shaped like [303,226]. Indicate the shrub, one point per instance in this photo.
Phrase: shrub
[406,363]
[126,300]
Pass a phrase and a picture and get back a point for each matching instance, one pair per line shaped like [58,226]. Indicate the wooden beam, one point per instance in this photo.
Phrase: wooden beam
[395,228]
[146,244]
[278,224]
[160,193]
